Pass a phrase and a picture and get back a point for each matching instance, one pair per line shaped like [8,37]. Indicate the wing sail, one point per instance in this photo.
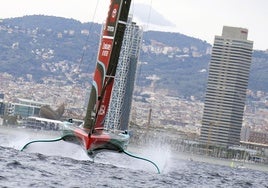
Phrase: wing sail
[108,55]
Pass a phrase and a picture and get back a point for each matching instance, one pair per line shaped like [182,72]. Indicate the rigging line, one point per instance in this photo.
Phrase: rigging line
[139,66]
[90,28]
[149,15]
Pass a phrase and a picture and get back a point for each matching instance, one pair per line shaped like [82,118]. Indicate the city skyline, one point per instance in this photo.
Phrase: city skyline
[226,88]
[199,19]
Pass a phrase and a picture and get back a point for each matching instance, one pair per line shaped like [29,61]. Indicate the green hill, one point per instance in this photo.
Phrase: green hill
[47,46]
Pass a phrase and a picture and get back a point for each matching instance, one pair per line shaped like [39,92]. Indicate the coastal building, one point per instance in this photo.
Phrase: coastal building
[226,88]
[24,108]
[120,104]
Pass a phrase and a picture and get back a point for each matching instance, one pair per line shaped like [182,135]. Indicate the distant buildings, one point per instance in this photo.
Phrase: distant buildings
[2,105]
[24,108]
[226,88]
[120,104]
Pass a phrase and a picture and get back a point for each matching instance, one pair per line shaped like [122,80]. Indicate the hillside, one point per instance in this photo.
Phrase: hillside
[42,47]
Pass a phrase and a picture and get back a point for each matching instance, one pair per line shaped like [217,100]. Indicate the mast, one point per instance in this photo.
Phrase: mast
[108,55]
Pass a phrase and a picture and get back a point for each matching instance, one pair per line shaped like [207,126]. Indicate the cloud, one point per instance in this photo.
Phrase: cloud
[146,14]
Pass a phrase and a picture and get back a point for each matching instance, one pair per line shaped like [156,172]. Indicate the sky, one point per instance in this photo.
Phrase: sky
[201,19]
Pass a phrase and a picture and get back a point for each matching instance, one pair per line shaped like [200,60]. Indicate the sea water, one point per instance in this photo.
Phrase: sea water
[63,164]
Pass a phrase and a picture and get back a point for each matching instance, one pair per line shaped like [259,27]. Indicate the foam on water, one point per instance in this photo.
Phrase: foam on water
[26,169]
[17,138]
[160,154]
[59,148]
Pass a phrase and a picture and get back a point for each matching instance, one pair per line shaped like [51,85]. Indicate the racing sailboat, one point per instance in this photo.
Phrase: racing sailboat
[92,134]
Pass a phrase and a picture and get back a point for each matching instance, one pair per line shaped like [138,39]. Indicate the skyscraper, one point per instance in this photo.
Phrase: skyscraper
[226,88]
[120,104]
[2,105]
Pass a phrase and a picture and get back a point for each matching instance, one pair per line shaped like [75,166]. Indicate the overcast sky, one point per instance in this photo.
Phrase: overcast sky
[202,19]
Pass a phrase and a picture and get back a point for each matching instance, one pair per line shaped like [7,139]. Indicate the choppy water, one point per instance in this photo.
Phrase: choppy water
[62,164]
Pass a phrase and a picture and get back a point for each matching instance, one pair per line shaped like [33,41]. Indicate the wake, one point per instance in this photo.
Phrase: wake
[158,154]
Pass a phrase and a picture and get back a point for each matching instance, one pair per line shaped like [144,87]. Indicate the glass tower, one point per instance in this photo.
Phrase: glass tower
[226,88]
[121,98]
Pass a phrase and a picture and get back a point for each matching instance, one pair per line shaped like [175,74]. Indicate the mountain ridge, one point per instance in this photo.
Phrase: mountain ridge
[48,46]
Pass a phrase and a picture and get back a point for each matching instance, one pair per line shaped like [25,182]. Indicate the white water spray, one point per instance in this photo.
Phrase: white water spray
[17,137]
